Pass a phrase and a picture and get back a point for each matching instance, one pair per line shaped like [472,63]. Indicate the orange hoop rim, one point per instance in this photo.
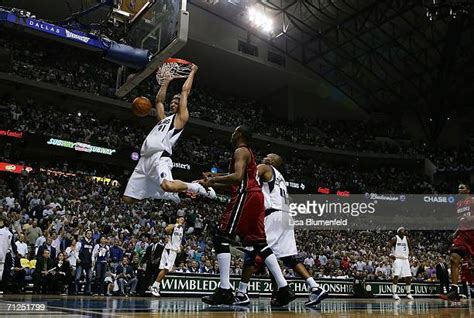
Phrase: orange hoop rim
[176,60]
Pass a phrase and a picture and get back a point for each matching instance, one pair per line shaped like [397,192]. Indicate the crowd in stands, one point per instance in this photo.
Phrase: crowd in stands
[85,71]
[73,234]
[87,127]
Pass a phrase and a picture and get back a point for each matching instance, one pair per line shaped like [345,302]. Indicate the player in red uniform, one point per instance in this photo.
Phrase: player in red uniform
[243,217]
[463,242]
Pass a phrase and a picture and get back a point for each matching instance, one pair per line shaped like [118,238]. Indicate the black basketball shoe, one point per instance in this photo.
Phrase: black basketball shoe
[315,297]
[283,297]
[453,294]
[241,299]
[220,297]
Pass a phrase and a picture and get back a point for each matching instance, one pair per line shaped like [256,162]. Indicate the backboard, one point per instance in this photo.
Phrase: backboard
[161,27]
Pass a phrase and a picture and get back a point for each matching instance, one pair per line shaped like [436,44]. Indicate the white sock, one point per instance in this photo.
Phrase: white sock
[243,287]
[223,259]
[408,288]
[394,289]
[193,187]
[311,283]
[272,264]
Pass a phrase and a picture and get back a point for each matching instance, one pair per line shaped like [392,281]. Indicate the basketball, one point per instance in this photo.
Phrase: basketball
[141,106]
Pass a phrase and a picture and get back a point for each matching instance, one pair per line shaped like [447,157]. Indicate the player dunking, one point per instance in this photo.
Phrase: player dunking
[244,216]
[152,176]
[401,266]
[463,242]
[168,257]
[280,234]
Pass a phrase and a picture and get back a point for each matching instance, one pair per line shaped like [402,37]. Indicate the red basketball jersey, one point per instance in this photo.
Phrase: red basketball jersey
[464,209]
[250,181]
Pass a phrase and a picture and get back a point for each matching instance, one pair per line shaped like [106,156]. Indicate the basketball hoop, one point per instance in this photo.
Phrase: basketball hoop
[173,68]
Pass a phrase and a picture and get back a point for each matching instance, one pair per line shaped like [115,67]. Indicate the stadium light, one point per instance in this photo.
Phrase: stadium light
[259,20]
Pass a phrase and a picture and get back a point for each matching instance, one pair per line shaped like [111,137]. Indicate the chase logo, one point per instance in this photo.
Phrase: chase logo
[438,199]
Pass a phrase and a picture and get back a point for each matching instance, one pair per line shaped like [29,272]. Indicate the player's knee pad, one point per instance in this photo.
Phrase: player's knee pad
[290,261]
[263,251]
[221,245]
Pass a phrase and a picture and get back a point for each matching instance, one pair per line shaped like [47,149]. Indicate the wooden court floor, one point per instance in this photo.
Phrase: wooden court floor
[78,306]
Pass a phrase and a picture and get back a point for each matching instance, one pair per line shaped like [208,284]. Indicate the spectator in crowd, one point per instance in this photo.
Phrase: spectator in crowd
[116,253]
[85,263]
[417,270]
[21,246]
[62,274]
[126,278]
[43,277]
[33,233]
[100,258]
[207,268]
[72,254]
[309,261]
[47,246]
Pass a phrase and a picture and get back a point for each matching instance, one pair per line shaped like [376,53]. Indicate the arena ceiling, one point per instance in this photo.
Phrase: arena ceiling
[384,55]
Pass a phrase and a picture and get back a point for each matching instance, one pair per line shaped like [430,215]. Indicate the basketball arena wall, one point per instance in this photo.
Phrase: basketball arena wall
[202,284]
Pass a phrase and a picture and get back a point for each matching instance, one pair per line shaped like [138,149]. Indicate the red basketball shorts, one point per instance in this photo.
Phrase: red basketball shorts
[463,243]
[244,217]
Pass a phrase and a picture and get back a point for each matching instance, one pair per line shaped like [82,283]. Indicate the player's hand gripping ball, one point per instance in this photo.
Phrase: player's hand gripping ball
[141,106]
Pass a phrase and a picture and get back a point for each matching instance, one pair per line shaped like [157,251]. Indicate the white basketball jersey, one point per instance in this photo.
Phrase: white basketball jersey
[5,243]
[176,239]
[161,138]
[274,192]
[401,248]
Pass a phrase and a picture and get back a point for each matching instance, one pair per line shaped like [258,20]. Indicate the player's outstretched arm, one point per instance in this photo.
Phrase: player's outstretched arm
[241,159]
[182,115]
[215,186]
[214,174]
[160,100]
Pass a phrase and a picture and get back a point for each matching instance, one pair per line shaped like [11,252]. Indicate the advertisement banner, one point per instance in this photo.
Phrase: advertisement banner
[13,168]
[79,146]
[372,211]
[199,285]
[11,133]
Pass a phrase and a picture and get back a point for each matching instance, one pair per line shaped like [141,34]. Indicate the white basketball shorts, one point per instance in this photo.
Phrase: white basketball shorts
[401,268]
[280,234]
[168,257]
[145,181]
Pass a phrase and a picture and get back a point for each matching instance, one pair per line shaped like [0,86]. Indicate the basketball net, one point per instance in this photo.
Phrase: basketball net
[173,68]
